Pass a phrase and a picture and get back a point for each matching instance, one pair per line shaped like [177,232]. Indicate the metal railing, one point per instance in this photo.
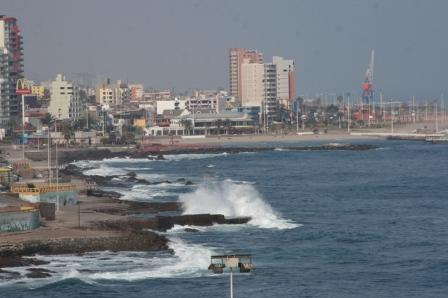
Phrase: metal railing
[36,188]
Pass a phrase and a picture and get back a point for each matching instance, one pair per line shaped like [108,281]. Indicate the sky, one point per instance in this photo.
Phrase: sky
[184,44]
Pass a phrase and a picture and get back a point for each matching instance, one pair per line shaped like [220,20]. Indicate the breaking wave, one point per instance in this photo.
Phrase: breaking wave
[234,200]
[188,260]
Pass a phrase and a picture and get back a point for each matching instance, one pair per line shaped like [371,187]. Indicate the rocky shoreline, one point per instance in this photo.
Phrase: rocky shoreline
[111,224]
[158,153]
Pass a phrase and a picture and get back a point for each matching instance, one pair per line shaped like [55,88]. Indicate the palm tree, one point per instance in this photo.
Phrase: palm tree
[227,125]
[188,125]
[68,131]
[219,125]
[47,119]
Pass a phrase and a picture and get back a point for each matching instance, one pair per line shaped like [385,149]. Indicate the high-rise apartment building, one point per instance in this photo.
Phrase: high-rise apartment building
[285,80]
[11,68]
[267,85]
[66,101]
[112,94]
[252,84]
[238,56]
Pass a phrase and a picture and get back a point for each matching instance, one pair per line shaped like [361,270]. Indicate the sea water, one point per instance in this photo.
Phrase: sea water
[324,224]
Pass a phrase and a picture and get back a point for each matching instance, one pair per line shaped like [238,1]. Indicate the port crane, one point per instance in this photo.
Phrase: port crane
[367,85]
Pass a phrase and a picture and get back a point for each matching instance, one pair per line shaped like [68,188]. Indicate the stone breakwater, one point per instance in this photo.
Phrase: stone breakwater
[164,223]
[158,152]
[133,241]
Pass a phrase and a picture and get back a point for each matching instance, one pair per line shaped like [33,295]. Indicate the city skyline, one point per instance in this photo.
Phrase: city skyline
[159,45]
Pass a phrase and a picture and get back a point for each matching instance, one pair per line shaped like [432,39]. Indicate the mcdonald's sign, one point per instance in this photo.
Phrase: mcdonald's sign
[23,87]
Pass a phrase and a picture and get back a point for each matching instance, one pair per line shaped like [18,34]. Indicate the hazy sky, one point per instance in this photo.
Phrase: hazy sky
[184,44]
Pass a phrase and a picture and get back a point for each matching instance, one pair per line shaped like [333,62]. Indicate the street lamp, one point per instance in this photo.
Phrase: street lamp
[243,262]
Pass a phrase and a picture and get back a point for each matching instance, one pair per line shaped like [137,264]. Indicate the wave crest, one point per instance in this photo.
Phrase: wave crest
[234,200]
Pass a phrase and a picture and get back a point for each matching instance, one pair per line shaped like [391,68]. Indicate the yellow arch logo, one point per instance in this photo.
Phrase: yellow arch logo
[23,84]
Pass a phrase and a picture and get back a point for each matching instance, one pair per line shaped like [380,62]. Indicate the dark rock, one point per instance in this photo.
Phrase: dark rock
[8,275]
[17,261]
[164,223]
[191,230]
[132,241]
[103,194]
[38,273]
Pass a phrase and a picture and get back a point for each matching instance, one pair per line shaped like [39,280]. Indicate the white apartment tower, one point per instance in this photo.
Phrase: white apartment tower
[267,85]
[65,102]
[285,79]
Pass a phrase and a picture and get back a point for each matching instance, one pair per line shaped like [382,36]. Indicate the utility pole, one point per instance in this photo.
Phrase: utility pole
[426,111]
[57,163]
[392,118]
[348,114]
[87,116]
[381,106]
[437,120]
[23,126]
[417,112]
[193,119]
[49,153]
[413,108]
[442,107]
[297,120]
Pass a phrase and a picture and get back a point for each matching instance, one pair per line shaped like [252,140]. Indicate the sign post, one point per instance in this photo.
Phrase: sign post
[23,88]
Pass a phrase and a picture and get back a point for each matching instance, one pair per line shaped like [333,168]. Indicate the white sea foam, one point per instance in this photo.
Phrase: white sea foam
[240,181]
[104,170]
[177,157]
[151,176]
[230,228]
[140,192]
[189,260]
[137,169]
[234,200]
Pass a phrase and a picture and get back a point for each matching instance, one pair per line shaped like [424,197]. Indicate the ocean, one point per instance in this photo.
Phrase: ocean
[324,224]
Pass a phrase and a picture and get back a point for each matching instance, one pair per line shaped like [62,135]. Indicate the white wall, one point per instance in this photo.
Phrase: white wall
[283,67]
[163,105]
[252,91]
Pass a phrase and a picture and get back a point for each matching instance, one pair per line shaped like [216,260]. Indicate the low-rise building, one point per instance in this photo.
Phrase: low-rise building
[155,95]
[136,92]
[176,104]
[38,90]
[204,123]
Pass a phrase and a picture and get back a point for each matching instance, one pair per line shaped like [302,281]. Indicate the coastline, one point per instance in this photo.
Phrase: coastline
[104,222]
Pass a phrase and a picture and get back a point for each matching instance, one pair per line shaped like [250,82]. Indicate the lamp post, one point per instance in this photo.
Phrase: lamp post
[57,162]
[243,262]
[348,114]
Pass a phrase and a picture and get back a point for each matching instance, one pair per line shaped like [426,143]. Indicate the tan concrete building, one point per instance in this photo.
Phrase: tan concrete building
[285,79]
[112,94]
[238,56]
[252,87]
[65,100]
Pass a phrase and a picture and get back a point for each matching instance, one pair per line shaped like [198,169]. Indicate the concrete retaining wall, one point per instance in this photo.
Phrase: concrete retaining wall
[19,221]
[65,197]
